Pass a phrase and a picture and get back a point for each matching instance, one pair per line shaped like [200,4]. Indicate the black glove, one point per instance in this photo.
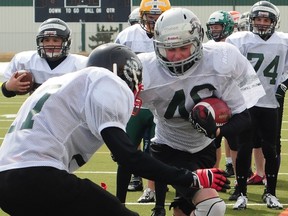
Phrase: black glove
[211,178]
[204,125]
[183,204]
[280,93]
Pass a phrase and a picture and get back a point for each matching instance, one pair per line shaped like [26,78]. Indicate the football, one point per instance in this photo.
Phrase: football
[219,109]
[27,78]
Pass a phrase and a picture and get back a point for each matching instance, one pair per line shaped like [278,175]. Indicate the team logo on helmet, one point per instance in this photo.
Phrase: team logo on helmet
[132,70]
[48,33]
[196,26]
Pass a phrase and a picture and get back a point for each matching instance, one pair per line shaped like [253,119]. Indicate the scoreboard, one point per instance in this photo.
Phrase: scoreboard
[82,10]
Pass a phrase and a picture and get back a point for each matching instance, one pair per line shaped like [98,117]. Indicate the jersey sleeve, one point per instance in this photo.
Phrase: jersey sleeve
[109,103]
[18,62]
[120,37]
[80,61]
[10,69]
[233,39]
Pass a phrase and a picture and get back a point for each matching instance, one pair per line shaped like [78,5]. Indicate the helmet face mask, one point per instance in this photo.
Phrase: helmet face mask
[53,29]
[148,22]
[263,9]
[178,27]
[124,63]
[261,29]
[150,10]
[215,33]
[222,18]
[51,51]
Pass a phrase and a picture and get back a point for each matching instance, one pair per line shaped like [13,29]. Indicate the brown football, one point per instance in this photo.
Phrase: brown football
[27,78]
[219,109]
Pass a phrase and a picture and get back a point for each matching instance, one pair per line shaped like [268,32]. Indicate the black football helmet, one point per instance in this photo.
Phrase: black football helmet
[54,27]
[263,9]
[122,61]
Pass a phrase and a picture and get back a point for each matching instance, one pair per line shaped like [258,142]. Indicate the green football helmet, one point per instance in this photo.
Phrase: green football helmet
[223,18]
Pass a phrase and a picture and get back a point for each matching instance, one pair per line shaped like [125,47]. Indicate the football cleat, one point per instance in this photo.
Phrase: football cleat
[158,211]
[256,180]
[147,196]
[135,184]
[241,203]
[272,201]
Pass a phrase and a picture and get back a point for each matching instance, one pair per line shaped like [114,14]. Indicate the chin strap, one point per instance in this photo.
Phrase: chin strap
[137,100]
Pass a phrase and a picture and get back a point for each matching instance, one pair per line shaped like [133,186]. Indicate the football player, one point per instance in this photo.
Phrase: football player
[271,68]
[139,38]
[259,177]
[63,123]
[180,73]
[220,25]
[52,58]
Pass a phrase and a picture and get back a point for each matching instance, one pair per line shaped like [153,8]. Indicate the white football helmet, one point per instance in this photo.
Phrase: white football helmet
[243,24]
[178,27]
[134,16]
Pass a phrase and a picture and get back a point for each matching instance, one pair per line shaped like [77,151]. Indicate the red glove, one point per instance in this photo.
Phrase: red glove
[211,178]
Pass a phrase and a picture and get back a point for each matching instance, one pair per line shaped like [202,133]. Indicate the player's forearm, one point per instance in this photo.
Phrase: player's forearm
[142,164]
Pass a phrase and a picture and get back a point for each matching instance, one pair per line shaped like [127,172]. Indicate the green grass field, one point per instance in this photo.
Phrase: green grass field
[102,169]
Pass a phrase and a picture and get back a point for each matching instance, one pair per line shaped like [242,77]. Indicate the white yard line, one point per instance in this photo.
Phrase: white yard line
[227,204]
[113,172]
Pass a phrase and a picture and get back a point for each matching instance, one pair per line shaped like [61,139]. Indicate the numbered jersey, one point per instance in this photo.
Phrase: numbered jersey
[59,125]
[269,59]
[171,98]
[31,61]
[136,39]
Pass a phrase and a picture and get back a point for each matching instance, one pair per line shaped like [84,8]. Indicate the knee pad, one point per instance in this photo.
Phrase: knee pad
[210,207]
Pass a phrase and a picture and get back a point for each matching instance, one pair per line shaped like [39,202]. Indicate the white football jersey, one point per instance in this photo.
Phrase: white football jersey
[31,61]
[136,39]
[171,98]
[61,121]
[269,59]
